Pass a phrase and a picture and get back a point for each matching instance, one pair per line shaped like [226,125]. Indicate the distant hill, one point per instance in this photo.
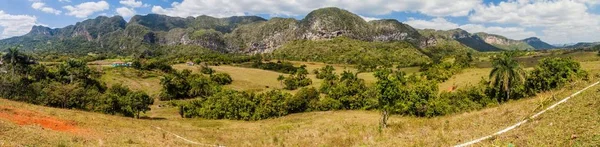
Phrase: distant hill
[538,44]
[457,35]
[583,45]
[242,34]
[503,42]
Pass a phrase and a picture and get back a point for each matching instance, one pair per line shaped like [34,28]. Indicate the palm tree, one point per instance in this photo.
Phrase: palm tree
[506,73]
[13,54]
[280,79]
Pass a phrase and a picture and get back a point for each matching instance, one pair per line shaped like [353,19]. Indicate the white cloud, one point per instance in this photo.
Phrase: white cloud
[443,24]
[436,23]
[86,9]
[561,21]
[68,1]
[132,3]
[125,12]
[15,25]
[42,7]
[220,8]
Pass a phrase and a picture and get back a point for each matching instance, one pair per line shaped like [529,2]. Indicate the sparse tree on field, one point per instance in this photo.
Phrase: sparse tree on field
[280,79]
[388,92]
[506,73]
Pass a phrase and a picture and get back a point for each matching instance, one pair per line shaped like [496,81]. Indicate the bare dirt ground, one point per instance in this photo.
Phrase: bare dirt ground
[25,117]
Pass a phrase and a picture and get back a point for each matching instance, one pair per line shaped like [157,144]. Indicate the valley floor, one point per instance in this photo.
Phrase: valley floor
[573,123]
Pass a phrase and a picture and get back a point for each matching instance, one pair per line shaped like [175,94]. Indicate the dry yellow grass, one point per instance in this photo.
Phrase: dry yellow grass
[574,123]
[258,80]
[468,77]
[146,81]
[334,128]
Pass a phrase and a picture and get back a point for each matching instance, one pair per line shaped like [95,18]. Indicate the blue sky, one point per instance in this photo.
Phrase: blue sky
[554,21]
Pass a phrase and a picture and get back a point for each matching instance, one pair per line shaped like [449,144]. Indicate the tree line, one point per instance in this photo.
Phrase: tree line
[395,92]
[70,84]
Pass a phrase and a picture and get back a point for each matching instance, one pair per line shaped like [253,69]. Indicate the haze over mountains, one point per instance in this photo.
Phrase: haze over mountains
[250,34]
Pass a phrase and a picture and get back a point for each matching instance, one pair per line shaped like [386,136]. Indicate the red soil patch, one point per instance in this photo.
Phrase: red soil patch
[24,117]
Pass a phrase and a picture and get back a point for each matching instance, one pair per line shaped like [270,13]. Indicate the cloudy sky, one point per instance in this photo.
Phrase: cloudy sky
[554,21]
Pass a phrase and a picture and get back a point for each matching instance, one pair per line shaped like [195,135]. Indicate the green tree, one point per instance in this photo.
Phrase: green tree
[175,86]
[221,78]
[506,73]
[207,70]
[202,86]
[137,102]
[387,92]
[17,60]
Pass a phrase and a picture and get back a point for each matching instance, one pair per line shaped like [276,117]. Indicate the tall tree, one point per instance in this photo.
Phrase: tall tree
[506,73]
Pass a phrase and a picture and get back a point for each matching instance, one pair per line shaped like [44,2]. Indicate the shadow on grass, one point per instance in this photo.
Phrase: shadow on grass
[153,118]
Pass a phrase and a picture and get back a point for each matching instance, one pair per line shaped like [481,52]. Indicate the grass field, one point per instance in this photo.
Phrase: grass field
[574,123]
[146,81]
[334,128]
[258,80]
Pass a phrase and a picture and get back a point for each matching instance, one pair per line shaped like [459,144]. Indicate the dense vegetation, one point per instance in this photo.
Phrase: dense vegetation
[184,84]
[366,55]
[296,80]
[70,85]
[395,93]
[282,67]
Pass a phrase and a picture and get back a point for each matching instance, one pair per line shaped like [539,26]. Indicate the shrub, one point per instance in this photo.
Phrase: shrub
[296,80]
[121,100]
[227,104]
[306,99]
[282,67]
[187,85]
[221,78]
[207,70]
[271,104]
[326,73]
[553,73]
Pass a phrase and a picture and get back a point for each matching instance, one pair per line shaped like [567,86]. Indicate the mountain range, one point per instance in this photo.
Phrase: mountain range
[249,34]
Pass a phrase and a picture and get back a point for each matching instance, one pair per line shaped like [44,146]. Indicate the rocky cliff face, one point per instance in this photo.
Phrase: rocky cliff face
[321,24]
[503,42]
[328,23]
[456,36]
[263,37]
[392,30]
[42,31]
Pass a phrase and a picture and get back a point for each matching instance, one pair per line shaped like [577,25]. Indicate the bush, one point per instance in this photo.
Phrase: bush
[348,90]
[207,70]
[553,73]
[441,72]
[221,78]
[152,64]
[121,100]
[326,73]
[296,80]
[306,99]
[186,85]
[272,104]
[282,67]
[227,104]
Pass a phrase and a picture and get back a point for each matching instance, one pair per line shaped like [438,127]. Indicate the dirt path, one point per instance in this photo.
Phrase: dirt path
[187,140]
[526,120]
